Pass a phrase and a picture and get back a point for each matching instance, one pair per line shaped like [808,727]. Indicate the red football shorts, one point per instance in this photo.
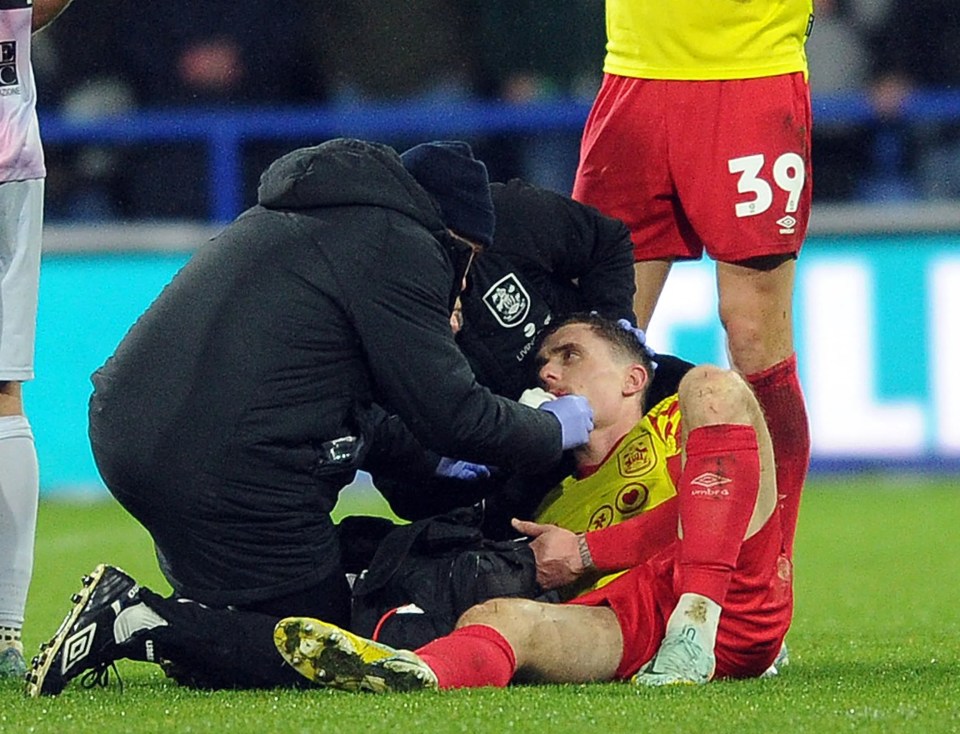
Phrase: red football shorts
[721,166]
[756,613]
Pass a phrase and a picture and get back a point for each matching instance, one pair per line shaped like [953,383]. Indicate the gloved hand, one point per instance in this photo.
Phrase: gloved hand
[465,470]
[575,416]
[641,336]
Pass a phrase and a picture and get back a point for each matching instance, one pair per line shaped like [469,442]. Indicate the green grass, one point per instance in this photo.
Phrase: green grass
[875,645]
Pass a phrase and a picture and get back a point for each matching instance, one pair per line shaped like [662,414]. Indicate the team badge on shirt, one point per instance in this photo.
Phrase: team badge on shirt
[638,457]
[508,301]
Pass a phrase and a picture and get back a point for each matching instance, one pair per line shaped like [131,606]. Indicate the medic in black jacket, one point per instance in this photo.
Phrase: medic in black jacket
[235,409]
[224,420]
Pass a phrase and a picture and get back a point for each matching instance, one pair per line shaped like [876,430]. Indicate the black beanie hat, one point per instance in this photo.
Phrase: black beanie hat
[458,183]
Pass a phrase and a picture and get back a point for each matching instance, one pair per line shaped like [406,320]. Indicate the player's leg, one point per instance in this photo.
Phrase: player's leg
[756,303]
[650,276]
[756,309]
[727,491]
[494,643]
[624,171]
[722,416]
[19,492]
[756,150]
[551,643]
[751,139]
[21,221]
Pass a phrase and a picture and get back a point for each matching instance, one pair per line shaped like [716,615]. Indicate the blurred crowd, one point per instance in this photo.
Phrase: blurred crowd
[112,56]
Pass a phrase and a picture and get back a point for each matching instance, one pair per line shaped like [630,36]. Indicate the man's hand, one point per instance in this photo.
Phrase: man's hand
[557,552]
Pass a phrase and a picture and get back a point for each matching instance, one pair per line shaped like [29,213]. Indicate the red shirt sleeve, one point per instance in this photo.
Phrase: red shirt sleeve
[630,543]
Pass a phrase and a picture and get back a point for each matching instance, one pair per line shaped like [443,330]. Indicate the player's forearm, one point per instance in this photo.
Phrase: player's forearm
[632,542]
[45,11]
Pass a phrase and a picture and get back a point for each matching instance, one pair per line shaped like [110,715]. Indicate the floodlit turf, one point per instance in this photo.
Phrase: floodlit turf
[875,645]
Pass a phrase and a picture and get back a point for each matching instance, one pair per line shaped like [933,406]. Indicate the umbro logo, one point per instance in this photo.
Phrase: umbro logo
[709,480]
[788,224]
[77,646]
[711,485]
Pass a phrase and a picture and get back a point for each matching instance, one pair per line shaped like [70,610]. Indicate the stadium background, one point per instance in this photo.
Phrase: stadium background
[878,319]
[140,173]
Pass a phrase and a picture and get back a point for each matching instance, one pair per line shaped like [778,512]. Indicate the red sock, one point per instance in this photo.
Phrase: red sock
[778,391]
[471,657]
[717,491]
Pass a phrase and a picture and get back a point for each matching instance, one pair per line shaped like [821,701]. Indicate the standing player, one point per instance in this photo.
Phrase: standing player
[699,139]
[21,219]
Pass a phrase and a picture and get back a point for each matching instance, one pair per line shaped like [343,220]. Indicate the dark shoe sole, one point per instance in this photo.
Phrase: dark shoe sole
[49,651]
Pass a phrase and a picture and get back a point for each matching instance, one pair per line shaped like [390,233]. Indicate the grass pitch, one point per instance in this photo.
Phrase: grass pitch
[875,644]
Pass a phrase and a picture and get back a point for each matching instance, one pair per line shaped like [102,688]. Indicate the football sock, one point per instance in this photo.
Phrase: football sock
[205,647]
[19,493]
[718,492]
[701,612]
[470,657]
[137,618]
[779,393]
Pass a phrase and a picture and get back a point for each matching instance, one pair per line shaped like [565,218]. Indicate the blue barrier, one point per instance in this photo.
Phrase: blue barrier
[224,131]
[876,323]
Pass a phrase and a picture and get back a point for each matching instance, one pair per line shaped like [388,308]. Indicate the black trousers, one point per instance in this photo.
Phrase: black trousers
[214,648]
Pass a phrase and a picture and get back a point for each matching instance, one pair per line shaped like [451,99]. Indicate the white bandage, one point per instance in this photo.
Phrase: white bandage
[534,397]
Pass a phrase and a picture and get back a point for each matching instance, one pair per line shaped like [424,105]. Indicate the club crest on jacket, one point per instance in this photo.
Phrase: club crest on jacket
[508,301]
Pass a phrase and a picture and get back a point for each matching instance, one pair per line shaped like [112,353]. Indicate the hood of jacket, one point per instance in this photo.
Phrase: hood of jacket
[346,172]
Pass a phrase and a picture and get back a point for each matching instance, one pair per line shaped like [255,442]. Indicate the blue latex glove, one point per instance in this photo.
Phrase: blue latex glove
[456,469]
[641,336]
[575,416]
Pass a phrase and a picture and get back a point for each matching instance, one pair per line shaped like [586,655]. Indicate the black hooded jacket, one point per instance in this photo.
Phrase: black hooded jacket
[211,423]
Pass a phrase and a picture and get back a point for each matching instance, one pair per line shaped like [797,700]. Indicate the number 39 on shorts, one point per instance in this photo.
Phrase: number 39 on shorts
[788,173]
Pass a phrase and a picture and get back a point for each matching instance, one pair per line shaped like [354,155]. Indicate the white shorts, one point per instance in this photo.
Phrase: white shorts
[21,225]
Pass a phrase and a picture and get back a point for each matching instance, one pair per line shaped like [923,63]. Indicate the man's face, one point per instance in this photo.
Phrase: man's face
[575,360]
[456,317]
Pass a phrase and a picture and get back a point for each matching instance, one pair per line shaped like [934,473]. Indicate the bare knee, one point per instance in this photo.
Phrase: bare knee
[753,346]
[711,395]
[515,619]
[756,300]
